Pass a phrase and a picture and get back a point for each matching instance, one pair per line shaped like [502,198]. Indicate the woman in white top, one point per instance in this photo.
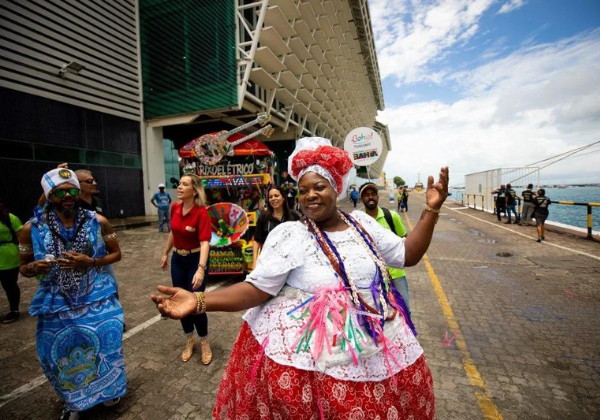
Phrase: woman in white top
[327,335]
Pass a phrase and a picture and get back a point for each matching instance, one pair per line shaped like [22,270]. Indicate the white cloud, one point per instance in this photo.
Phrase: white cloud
[511,5]
[411,34]
[535,103]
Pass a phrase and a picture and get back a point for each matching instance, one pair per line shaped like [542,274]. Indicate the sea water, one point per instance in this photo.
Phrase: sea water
[561,213]
[574,215]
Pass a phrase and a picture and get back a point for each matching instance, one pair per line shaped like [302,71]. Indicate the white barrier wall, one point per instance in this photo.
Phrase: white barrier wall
[483,183]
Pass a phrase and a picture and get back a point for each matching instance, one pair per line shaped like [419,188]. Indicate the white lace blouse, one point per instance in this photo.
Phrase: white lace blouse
[292,258]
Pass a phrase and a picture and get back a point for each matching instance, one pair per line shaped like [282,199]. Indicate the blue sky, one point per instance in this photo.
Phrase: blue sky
[483,84]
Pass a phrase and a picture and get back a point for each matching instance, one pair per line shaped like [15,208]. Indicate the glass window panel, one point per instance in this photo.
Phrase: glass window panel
[171,163]
[112,159]
[93,157]
[57,154]
[16,150]
[132,161]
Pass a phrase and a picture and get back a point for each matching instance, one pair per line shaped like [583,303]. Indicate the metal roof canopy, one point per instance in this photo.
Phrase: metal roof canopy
[312,63]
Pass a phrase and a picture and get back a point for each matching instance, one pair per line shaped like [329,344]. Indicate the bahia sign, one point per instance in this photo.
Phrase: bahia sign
[364,146]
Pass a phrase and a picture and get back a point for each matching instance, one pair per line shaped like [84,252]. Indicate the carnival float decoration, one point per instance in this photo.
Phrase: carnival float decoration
[235,170]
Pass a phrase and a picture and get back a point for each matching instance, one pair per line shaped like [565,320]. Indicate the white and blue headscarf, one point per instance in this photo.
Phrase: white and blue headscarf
[56,177]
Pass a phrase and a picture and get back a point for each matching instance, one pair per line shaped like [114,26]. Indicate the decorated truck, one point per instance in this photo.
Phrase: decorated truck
[235,170]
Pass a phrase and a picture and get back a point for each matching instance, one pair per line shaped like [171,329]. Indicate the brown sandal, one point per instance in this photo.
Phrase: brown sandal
[206,351]
[189,349]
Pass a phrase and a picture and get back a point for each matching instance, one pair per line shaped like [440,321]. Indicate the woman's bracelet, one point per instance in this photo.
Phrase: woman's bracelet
[203,266]
[431,209]
[201,303]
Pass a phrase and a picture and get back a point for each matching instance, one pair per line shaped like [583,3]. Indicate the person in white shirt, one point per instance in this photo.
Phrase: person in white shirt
[324,334]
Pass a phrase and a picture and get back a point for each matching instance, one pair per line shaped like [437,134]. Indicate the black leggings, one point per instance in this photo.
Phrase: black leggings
[182,273]
[9,284]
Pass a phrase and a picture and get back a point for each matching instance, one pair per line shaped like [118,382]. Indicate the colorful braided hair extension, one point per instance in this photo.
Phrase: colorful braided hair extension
[396,301]
[382,290]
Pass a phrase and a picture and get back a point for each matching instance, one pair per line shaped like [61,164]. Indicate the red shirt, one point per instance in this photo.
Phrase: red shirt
[191,229]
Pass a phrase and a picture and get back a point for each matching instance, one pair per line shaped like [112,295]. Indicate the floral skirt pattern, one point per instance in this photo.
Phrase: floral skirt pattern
[255,387]
[81,353]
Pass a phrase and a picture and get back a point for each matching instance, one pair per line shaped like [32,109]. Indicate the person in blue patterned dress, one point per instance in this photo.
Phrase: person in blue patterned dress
[80,322]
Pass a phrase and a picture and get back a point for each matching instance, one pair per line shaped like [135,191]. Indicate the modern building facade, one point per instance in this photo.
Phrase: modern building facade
[70,92]
[159,73]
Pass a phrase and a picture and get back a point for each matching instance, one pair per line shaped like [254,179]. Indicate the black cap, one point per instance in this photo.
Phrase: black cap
[366,186]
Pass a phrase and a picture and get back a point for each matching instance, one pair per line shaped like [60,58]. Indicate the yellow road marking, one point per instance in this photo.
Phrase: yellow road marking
[483,396]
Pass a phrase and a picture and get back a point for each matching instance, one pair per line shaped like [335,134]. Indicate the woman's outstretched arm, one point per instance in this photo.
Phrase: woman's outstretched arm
[180,303]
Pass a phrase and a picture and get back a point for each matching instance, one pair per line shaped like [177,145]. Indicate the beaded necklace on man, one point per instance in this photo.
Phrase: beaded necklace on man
[69,281]
[384,293]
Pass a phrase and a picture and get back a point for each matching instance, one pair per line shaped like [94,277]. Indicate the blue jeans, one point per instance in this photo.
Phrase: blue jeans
[163,215]
[182,274]
[511,208]
[402,286]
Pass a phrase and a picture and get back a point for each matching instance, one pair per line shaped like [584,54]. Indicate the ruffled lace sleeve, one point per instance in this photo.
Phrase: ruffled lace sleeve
[389,245]
[284,250]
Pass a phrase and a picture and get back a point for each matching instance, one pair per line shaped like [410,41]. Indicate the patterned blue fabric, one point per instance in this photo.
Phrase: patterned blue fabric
[79,336]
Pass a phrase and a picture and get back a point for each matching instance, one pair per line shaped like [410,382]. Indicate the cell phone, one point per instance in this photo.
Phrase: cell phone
[50,259]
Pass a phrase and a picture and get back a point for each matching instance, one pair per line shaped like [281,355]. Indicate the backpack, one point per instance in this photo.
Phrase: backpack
[388,218]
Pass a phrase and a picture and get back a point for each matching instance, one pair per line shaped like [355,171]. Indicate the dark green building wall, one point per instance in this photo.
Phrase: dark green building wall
[188,55]
[36,134]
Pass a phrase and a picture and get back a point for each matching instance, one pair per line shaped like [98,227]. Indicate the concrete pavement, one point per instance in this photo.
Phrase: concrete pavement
[509,328]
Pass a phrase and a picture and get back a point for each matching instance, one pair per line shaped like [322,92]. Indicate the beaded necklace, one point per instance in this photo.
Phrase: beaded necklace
[69,281]
[382,290]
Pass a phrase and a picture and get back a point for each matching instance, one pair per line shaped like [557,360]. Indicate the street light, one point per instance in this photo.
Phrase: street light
[73,67]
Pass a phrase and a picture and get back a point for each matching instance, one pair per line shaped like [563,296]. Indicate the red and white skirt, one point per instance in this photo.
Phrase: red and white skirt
[256,387]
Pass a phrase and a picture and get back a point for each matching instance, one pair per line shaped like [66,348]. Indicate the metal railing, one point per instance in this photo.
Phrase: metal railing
[473,199]
[589,212]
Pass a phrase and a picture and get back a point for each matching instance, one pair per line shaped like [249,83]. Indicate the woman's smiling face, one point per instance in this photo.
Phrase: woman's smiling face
[317,197]
[275,199]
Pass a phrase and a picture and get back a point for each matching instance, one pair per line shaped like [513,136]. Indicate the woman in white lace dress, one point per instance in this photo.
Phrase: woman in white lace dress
[326,334]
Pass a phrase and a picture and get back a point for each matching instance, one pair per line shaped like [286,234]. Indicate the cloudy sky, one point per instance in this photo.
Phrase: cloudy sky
[484,84]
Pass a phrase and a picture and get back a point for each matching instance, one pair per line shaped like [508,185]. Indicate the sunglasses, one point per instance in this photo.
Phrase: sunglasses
[73,192]
[89,181]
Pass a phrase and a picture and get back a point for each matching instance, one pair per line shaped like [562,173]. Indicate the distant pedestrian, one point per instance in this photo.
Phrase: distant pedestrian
[528,205]
[511,203]
[10,226]
[162,201]
[390,220]
[405,199]
[399,199]
[541,213]
[354,196]
[291,193]
[500,201]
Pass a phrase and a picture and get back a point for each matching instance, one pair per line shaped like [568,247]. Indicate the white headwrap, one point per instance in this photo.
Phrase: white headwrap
[56,177]
[313,143]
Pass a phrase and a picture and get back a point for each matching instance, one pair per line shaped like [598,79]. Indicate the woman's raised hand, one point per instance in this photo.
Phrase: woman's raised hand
[437,193]
[178,304]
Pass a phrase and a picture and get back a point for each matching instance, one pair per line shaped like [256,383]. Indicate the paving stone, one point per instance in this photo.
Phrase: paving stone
[534,345]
